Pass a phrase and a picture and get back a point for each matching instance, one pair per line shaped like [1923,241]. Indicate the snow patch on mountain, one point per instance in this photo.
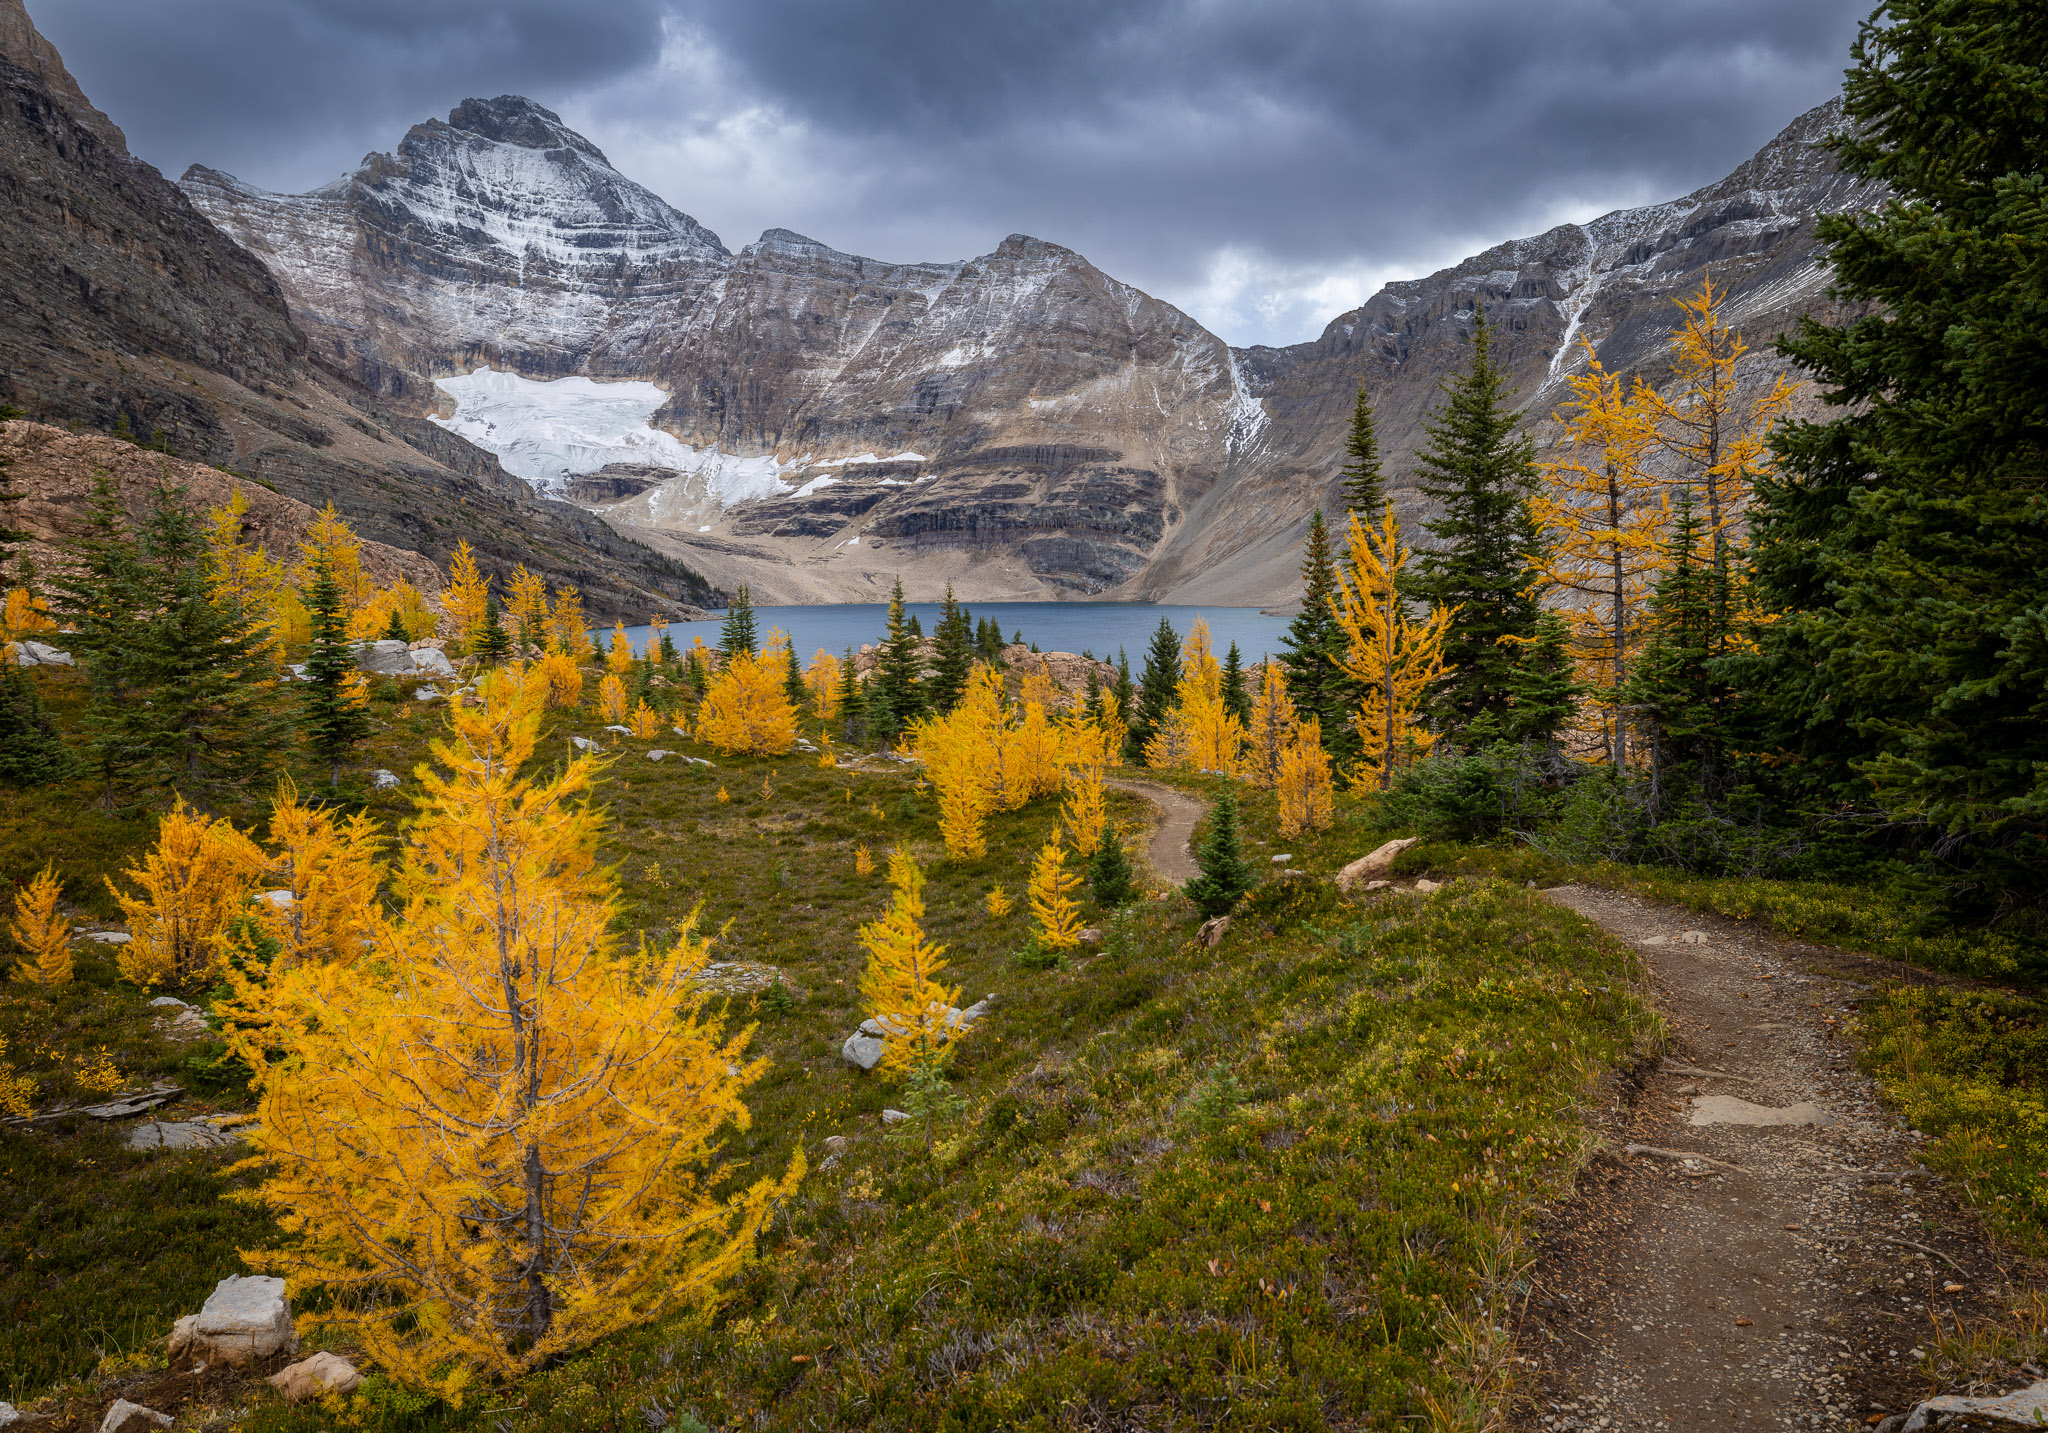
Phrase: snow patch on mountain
[550,430]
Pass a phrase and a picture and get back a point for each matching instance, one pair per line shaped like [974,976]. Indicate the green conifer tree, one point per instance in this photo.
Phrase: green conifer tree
[1158,690]
[738,635]
[793,682]
[329,721]
[1676,695]
[852,710]
[1124,689]
[1313,644]
[394,630]
[1223,875]
[1365,487]
[1111,879]
[1236,700]
[1091,702]
[32,753]
[669,657]
[952,655]
[896,691]
[1545,689]
[1482,472]
[493,643]
[102,595]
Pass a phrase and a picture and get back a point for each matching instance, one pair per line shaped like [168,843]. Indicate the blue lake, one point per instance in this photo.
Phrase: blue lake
[1097,627]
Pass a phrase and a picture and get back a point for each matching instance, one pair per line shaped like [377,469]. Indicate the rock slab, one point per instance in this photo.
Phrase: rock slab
[316,1377]
[244,1320]
[1728,1110]
[1374,864]
[2027,1407]
[126,1417]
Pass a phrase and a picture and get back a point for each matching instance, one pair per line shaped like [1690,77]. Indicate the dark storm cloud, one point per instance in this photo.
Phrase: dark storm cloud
[1258,163]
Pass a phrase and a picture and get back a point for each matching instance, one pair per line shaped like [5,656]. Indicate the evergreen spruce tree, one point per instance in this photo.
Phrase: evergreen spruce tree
[1237,701]
[668,650]
[738,634]
[1481,471]
[394,630]
[1158,689]
[493,643]
[1313,643]
[895,692]
[1091,703]
[852,716]
[1223,875]
[1903,537]
[1365,487]
[1675,694]
[792,682]
[1545,687]
[988,641]
[102,596]
[209,720]
[1110,876]
[952,655]
[1123,688]
[329,720]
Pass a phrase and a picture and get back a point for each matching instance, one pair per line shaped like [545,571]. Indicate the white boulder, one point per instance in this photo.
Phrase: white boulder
[37,654]
[178,1134]
[432,662]
[315,1377]
[387,657]
[126,1417]
[1374,864]
[245,1319]
[383,780]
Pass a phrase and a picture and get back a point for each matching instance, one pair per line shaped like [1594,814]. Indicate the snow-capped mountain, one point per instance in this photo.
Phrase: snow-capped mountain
[1052,429]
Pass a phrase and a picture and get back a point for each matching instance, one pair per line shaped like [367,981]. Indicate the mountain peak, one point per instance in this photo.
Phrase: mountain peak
[516,120]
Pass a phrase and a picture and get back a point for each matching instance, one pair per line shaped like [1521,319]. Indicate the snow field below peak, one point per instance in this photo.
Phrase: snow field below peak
[550,430]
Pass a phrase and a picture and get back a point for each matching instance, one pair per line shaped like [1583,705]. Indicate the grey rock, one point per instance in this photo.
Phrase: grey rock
[282,900]
[1282,859]
[894,1117]
[584,743]
[386,657]
[109,937]
[432,662]
[1728,1110]
[658,753]
[383,780]
[9,1415]
[621,730]
[426,694]
[132,1104]
[2027,1407]
[1212,932]
[168,1002]
[126,1417]
[1425,885]
[244,1320]
[187,1024]
[178,1134]
[37,654]
[1373,865]
[863,1052]
[1692,937]
[837,1143]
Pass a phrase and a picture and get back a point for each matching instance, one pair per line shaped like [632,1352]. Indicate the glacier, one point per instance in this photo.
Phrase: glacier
[550,430]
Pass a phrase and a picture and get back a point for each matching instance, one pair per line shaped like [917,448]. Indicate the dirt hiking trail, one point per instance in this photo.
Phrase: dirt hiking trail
[1170,852]
[1754,1247]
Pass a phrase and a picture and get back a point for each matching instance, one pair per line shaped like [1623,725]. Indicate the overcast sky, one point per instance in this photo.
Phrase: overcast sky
[1264,164]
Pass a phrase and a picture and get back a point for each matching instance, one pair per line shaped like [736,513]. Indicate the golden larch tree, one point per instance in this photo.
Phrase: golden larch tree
[1200,733]
[195,880]
[242,572]
[611,698]
[467,596]
[566,626]
[746,707]
[1274,725]
[497,1138]
[618,656]
[1053,905]
[401,600]
[961,752]
[1392,657]
[645,722]
[1719,434]
[564,678]
[1604,516]
[42,932]
[900,985]
[822,678]
[657,633]
[528,602]
[331,541]
[997,902]
[1086,750]
[1307,797]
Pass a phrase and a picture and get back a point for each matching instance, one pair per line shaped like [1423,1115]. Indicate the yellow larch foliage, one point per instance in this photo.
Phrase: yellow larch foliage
[997,902]
[961,752]
[645,722]
[1052,898]
[1720,436]
[657,630]
[25,614]
[564,679]
[1392,657]
[566,627]
[900,985]
[745,707]
[466,597]
[822,677]
[1030,757]
[1307,797]
[827,757]
[1086,749]
[17,1092]
[527,601]
[497,1137]
[1200,732]
[249,576]
[1604,516]
[1274,725]
[333,541]
[722,797]
[863,861]
[611,698]
[1037,685]
[373,618]
[42,932]
[193,881]
[619,656]
[102,1076]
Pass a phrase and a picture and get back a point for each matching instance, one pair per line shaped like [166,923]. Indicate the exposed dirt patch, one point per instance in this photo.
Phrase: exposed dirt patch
[1746,1275]
[1171,851]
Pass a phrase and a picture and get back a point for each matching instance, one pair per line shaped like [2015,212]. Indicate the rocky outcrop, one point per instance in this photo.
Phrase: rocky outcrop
[1018,424]
[123,307]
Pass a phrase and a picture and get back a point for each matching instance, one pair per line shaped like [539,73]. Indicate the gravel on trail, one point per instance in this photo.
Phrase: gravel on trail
[1724,1267]
[1170,852]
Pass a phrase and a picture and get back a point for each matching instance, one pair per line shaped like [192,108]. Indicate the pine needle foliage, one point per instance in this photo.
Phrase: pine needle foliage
[1312,649]
[1156,692]
[738,635]
[191,885]
[496,1139]
[746,707]
[952,655]
[42,932]
[1391,659]
[1053,907]
[1112,880]
[1223,875]
[1364,481]
[1483,562]
[332,701]
[1306,792]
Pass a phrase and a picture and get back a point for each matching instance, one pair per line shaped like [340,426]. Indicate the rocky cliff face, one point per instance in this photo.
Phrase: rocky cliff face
[1019,424]
[121,303]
